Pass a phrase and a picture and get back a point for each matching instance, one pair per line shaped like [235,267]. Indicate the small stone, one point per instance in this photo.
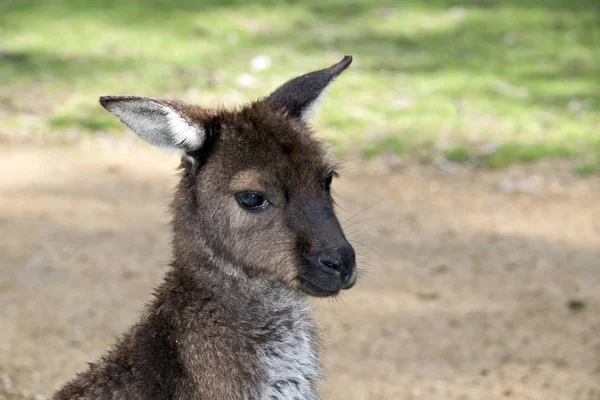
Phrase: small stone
[260,63]
[393,162]
[248,81]
[428,296]
[576,305]
[440,269]
[113,169]
[458,13]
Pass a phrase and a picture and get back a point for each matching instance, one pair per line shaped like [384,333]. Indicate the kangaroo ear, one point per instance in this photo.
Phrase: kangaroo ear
[299,96]
[169,124]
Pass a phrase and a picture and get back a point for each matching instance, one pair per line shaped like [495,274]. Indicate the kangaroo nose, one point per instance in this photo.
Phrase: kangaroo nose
[339,261]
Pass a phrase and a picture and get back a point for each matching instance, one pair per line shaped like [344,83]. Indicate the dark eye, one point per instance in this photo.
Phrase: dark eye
[253,201]
[329,179]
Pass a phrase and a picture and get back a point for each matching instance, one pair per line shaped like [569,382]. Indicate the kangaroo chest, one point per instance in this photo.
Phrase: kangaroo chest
[291,365]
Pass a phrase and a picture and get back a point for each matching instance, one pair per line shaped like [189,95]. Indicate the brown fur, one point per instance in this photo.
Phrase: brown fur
[233,301]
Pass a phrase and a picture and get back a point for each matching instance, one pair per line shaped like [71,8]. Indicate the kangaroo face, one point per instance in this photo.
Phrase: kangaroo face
[267,184]
[255,189]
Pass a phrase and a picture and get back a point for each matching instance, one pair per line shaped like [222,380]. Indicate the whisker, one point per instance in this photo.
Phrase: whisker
[362,220]
[367,246]
[367,261]
[337,205]
[359,253]
[362,231]
[348,165]
[363,272]
[339,299]
[363,210]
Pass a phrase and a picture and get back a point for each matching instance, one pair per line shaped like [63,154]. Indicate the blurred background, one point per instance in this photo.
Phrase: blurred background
[470,138]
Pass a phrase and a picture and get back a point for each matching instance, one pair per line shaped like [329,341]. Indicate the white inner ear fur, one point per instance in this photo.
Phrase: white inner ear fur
[309,112]
[184,135]
[158,124]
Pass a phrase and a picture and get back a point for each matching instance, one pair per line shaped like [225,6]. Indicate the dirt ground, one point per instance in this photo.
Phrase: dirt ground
[479,285]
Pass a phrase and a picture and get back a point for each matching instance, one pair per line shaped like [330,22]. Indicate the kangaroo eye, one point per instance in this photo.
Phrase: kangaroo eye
[329,179]
[253,201]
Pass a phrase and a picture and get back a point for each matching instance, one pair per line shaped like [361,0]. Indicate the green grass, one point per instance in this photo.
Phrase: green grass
[512,152]
[587,169]
[509,153]
[520,76]
[458,154]
[393,144]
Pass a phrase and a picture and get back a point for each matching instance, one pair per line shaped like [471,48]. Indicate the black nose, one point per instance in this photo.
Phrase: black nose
[340,260]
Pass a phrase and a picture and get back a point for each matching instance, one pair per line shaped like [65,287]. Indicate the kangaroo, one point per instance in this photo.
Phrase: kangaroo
[254,234]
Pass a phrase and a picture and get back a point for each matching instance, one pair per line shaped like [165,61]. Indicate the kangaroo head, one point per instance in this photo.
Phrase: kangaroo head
[255,188]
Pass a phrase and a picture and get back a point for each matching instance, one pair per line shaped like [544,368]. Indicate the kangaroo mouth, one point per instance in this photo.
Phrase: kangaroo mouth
[322,281]
[314,290]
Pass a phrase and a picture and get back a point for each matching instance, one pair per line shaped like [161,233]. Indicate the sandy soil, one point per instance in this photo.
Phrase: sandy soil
[484,285]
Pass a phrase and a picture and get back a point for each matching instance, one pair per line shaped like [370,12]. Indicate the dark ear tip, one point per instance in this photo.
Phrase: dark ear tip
[105,101]
[340,66]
